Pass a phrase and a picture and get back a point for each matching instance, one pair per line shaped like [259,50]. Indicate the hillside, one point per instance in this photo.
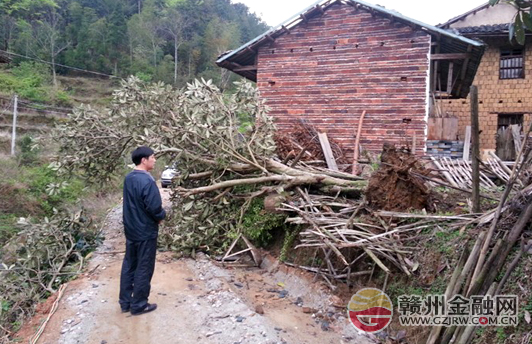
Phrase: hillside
[39,105]
[173,41]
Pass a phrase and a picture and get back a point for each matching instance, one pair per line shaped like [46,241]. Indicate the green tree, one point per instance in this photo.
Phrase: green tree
[49,39]
[144,36]
[220,37]
[7,30]
[174,25]
[126,37]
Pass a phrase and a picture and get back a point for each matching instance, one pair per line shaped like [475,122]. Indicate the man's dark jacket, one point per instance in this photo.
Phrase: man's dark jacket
[142,206]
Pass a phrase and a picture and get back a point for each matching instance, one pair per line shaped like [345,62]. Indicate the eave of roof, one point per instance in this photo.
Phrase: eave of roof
[243,61]
[464,15]
[296,19]
[495,30]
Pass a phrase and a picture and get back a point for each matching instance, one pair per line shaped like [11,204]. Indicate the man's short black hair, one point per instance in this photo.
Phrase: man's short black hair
[141,152]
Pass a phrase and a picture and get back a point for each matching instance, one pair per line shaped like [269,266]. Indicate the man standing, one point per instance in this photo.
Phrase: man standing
[142,214]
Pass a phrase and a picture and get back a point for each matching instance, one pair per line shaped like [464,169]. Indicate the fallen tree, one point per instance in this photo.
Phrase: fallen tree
[224,144]
[227,157]
[35,263]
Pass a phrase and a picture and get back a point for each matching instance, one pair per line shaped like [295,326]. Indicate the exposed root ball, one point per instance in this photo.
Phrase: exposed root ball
[392,187]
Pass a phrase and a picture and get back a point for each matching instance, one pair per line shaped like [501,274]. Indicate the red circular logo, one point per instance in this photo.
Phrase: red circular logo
[370,310]
[483,321]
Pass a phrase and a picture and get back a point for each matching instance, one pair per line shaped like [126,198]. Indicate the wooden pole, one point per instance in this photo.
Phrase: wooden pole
[467,143]
[14,131]
[476,150]
[357,143]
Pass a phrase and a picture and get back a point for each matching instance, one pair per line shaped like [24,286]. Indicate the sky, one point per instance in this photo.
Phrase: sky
[432,12]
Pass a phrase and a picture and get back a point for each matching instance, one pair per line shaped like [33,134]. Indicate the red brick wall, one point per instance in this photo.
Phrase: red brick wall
[357,63]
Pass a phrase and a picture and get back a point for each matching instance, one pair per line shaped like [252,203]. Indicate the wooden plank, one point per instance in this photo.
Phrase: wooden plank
[501,163]
[245,68]
[516,133]
[485,181]
[435,128]
[435,73]
[460,179]
[497,170]
[446,174]
[475,132]
[505,144]
[449,128]
[458,56]
[464,68]
[465,174]
[327,151]
[432,133]
[357,143]
[467,143]
[450,78]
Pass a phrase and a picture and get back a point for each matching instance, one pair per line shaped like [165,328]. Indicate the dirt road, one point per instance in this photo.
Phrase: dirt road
[198,301]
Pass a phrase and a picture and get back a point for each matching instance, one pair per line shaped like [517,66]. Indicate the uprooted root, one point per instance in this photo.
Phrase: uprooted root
[393,186]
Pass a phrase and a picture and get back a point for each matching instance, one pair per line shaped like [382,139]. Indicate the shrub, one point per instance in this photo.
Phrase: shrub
[29,150]
[36,74]
[258,224]
[30,80]
[38,260]
[62,98]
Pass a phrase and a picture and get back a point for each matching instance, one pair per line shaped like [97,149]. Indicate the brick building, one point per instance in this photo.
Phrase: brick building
[504,77]
[337,59]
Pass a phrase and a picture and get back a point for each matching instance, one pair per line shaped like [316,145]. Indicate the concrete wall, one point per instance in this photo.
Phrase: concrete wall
[499,14]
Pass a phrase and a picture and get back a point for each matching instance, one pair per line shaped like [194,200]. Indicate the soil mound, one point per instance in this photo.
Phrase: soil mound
[393,187]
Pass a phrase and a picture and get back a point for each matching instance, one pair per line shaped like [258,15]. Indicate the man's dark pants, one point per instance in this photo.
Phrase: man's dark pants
[137,271]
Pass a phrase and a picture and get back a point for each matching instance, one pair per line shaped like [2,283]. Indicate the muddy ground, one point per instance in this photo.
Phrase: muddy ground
[199,301]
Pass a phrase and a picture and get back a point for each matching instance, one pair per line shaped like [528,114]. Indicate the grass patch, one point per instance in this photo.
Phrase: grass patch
[33,81]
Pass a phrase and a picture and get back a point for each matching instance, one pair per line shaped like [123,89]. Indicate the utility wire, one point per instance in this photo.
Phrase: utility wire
[8,108]
[39,106]
[61,65]
[45,111]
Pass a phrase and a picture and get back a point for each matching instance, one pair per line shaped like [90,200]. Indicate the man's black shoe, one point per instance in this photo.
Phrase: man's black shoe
[149,307]
[125,310]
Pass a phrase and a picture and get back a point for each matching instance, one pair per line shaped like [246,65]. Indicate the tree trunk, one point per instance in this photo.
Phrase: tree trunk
[189,62]
[154,47]
[175,59]
[53,73]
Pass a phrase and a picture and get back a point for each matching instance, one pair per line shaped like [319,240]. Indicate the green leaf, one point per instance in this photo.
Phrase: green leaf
[519,30]
[188,206]
[527,19]
[511,31]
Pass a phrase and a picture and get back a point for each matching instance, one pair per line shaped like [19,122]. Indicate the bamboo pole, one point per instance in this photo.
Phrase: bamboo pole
[469,265]
[513,177]
[435,332]
[357,143]
[510,241]
[469,331]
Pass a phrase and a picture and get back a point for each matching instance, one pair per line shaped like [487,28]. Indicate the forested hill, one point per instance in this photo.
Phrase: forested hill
[169,40]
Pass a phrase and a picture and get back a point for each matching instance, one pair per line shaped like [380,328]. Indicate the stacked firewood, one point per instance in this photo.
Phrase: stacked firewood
[301,143]
[334,226]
